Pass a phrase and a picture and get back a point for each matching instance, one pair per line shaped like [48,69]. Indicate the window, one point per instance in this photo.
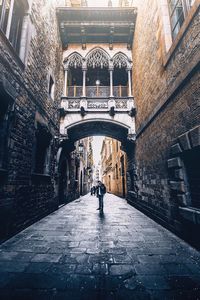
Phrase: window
[116,172]
[12,14]
[5,6]
[122,166]
[42,150]
[178,9]
[176,16]
[117,146]
[51,87]
[191,160]
[16,25]
[5,103]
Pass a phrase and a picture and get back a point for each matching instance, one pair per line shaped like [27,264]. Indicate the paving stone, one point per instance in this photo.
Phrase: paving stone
[184,282]
[8,256]
[100,268]
[15,267]
[5,278]
[84,269]
[46,258]
[38,267]
[121,269]
[39,281]
[177,269]
[151,269]
[62,268]
[130,295]
[98,258]
[154,282]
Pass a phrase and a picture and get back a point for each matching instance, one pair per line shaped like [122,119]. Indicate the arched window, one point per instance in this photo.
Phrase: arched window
[98,58]
[120,77]
[75,78]
[75,60]
[97,73]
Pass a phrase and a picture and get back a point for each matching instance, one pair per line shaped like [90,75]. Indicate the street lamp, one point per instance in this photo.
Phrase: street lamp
[80,148]
[97,84]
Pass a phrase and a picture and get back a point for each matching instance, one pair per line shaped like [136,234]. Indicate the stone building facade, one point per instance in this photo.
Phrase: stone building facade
[114,167]
[53,71]
[30,85]
[85,172]
[166,79]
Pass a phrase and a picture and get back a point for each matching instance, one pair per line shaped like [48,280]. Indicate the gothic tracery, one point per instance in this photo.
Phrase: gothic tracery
[97,58]
[75,60]
[120,61]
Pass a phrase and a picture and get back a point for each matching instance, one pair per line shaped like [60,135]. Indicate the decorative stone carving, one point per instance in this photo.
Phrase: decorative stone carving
[97,104]
[75,60]
[98,58]
[74,104]
[120,61]
[121,104]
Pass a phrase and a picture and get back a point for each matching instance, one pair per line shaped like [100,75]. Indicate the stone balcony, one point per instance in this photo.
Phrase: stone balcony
[97,91]
[101,104]
[97,99]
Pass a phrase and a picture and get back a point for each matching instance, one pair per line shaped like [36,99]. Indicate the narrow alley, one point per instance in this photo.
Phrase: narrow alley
[77,253]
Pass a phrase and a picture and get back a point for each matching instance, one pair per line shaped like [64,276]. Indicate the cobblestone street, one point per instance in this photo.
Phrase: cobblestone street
[76,253]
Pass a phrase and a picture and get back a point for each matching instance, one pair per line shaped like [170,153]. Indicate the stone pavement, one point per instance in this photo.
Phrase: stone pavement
[77,254]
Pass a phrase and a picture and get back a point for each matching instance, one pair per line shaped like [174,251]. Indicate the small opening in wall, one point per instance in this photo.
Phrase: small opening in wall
[42,150]
[5,104]
[51,87]
[192,164]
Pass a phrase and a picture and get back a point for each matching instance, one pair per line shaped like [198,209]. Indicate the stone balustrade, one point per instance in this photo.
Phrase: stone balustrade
[99,103]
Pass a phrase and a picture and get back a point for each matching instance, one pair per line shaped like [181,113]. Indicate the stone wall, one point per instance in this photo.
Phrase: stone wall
[166,89]
[23,197]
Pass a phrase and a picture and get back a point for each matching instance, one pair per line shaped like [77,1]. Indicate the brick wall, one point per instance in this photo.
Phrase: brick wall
[166,89]
[22,199]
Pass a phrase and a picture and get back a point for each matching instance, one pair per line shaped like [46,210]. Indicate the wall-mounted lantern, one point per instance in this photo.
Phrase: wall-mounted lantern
[80,148]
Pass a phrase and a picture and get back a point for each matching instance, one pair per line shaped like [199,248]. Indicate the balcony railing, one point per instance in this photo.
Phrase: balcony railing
[97,103]
[97,91]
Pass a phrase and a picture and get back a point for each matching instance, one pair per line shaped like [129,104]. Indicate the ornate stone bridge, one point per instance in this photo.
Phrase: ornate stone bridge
[97,96]
[98,109]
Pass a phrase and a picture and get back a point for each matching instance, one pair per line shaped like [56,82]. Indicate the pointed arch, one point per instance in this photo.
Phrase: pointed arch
[120,60]
[97,57]
[75,60]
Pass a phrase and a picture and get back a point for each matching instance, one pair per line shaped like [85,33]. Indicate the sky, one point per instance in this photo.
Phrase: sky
[96,145]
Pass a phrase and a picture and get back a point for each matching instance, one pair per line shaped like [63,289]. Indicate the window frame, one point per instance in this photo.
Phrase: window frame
[6,120]
[51,87]
[42,167]
[186,6]
[17,49]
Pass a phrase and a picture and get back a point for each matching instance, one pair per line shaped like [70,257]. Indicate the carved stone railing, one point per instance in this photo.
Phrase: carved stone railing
[120,91]
[75,91]
[97,91]
[97,104]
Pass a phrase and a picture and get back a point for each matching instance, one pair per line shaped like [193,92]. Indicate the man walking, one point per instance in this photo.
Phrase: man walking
[101,190]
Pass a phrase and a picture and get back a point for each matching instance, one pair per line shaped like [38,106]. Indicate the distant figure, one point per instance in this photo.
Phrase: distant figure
[93,190]
[101,190]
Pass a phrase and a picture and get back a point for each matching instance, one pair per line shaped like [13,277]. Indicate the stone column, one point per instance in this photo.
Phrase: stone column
[84,82]
[129,83]
[65,81]
[111,83]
